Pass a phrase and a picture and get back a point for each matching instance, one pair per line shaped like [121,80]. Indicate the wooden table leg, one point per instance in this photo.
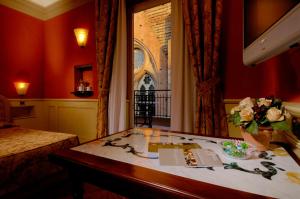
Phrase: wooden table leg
[77,185]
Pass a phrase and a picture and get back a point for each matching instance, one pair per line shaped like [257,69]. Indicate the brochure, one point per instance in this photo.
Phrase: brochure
[189,157]
[154,146]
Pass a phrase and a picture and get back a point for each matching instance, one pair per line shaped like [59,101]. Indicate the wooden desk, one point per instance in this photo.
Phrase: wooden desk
[114,163]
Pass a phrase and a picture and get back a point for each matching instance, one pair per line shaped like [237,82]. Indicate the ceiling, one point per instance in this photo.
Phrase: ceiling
[159,18]
[43,3]
[43,9]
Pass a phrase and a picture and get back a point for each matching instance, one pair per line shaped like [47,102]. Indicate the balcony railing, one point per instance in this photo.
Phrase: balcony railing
[150,104]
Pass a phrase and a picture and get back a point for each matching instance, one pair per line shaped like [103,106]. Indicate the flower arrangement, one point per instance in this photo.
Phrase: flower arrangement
[263,112]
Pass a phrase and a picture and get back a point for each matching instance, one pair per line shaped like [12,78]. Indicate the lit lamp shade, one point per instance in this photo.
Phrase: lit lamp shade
[81,36]
[21,87]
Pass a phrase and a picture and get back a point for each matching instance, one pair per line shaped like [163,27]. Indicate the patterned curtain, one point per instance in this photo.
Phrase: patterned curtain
[106,25]
[202,20]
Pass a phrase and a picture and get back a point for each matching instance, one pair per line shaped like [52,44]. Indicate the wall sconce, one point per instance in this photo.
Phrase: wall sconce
[81,36]
[21,88]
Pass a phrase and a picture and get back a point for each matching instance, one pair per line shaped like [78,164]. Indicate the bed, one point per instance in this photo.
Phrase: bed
[24,153]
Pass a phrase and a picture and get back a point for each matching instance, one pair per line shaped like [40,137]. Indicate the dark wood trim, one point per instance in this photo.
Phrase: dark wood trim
[133,6]
[137,182]
[143,5]
[83,93]
[130,78]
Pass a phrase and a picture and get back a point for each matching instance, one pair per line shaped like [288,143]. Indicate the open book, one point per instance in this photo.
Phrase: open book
[189,157]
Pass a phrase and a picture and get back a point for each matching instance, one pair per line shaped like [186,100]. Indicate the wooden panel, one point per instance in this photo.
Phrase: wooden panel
[78,120]
[52,121]
[62,115]
[143,5]
[233,130]
[34,113]
[73,116]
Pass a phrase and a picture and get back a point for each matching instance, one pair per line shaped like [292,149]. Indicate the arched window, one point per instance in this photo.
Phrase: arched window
[146,83]
[139,58]
[151,87]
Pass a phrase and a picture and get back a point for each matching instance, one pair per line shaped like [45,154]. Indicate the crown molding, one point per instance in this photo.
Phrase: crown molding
[40,12]
[63,6]
[54,99]
[25,7]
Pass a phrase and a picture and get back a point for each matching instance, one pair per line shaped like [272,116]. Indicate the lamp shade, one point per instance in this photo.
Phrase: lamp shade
[21,87]
[81,36]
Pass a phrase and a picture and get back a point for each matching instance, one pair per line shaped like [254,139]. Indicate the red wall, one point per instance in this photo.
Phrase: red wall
[62,52]
[45,53]
[21,52]
[279,76]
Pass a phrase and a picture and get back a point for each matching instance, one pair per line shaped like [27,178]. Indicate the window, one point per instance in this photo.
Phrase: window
[139,58]
[151,41]
[146,83]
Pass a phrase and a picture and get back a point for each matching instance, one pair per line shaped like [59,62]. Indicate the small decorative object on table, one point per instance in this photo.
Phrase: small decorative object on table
[258,119]
[237,149]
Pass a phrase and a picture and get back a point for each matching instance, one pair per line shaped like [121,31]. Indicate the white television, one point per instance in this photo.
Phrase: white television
[270,28]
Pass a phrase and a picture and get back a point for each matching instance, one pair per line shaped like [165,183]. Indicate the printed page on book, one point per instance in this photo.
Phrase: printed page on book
[171,157]
[188,157]
[202,158]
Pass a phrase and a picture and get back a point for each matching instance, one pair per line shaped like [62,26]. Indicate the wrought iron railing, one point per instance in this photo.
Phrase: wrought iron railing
[149,104]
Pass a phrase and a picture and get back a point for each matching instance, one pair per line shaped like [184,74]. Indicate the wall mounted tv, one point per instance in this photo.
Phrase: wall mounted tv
[270,28]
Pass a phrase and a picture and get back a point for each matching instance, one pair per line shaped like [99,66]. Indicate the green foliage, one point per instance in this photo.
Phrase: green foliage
[235,118]
[264,121]
[281,126]
[252,127]
[244,145]
[228,143]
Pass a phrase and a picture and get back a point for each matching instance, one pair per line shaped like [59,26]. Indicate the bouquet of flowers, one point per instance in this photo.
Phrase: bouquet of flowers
[263,112]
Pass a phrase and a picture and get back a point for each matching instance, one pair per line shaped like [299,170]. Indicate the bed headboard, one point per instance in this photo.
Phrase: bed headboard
[5,116]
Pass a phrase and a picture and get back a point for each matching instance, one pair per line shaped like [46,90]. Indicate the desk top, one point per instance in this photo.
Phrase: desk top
[272,173]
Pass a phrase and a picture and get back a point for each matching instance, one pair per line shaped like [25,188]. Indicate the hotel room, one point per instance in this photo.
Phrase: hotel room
[81,80]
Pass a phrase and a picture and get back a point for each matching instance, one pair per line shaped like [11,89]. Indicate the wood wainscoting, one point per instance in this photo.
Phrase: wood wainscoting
[76,116]
[72,116]
[233,130]
[79,116]
[34,120]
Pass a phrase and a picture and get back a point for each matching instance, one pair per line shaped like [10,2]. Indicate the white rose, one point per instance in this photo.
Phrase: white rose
[247,102]
[234,109]
[274,115]
[287,114]
[247,114]
[264,101]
